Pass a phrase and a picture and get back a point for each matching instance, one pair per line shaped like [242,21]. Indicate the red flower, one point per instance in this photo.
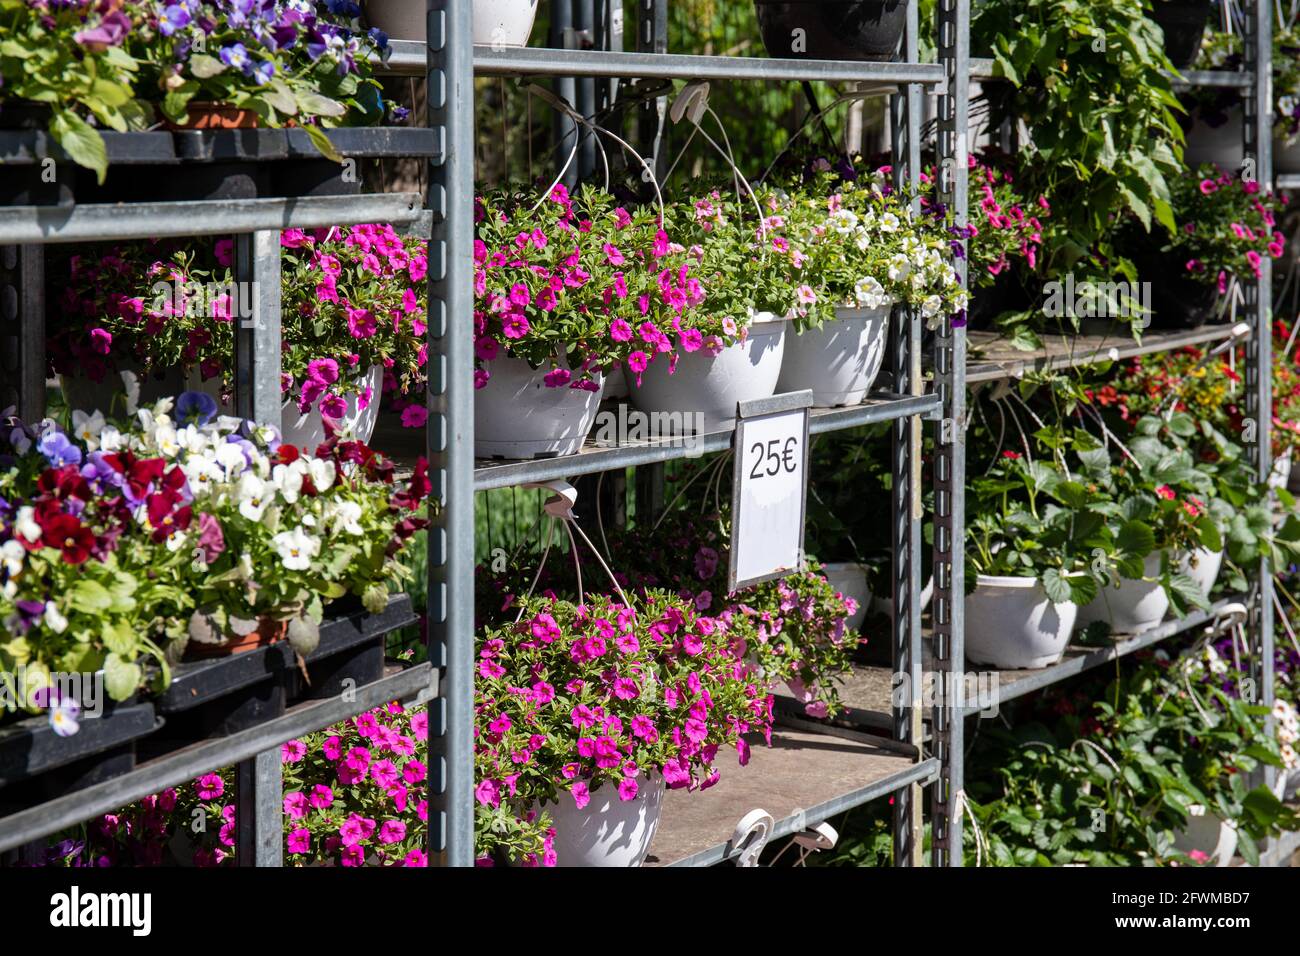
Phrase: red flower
[70,536]
[1164,491]
[1010,454]
[63,483]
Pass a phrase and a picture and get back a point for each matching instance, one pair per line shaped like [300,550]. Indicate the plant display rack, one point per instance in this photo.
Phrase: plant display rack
[814,770]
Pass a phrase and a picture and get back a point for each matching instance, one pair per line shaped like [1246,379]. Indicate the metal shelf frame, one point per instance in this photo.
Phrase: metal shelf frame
[449,63]
[1255,83]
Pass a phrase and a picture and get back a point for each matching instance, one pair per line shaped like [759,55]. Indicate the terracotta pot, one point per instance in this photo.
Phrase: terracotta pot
[269,631]
[217,116]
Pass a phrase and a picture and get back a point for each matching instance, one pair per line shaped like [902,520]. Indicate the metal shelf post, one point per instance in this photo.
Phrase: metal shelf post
[905,456]
[1257,133]
[950,455]
[450,434]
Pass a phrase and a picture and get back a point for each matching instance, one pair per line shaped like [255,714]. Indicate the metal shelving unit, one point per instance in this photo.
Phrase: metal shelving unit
[1253,327]
[826,774]
[255,225]
[815,770]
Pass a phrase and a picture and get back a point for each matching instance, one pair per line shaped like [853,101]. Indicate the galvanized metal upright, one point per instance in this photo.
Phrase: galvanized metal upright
[22,330]
[451,429]
[905,458]
[1257,131]
[947,609]
[259,784]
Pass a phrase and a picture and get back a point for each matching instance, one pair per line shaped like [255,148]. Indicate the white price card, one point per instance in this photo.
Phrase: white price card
[770,487]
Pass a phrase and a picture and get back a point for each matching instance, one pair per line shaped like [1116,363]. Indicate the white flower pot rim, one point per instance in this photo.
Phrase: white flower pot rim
[1007,581]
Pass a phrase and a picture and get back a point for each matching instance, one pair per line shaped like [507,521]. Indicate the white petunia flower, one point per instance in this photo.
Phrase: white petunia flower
[899,268]
[888,222]
[844,221]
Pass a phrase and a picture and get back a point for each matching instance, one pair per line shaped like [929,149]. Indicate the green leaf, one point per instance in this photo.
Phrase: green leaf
[120,678]
[1056,586]
[313,104]
[204,66]
[1136,538]
[90,597]
[322,142]
[1208,531]
[80,141]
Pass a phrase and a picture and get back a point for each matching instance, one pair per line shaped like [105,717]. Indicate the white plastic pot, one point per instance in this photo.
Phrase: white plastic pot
[850,579]
[838,361]
[1209,834]
[1135,606]
[1291,786]
[109,394]
[607,831]
[1222,146]
[712,384]
[496,22]
[517,415]
[1202,566]
[308,431]
[1286,159]
[1011,623]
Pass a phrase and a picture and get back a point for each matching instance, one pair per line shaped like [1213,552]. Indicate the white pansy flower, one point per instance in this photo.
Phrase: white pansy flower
[230,459]
[167,441]
[287,479]
[87,428]
[347,518]
[296,548]
[254,496]
[176,540]
[202,473]
[54,620]
[322,473]
[25,524]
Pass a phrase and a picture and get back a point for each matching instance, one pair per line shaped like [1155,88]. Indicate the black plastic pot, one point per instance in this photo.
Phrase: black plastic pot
[220,696]
[197,164]
[30,749]
[856,30]
[1184,23]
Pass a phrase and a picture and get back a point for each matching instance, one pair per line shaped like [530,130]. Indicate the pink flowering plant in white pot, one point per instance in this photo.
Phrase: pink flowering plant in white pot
[575,697]
[577,284]
[745,258]
[351,299]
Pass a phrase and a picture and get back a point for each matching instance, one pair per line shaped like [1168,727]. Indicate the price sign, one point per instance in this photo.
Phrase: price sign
[770,486]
